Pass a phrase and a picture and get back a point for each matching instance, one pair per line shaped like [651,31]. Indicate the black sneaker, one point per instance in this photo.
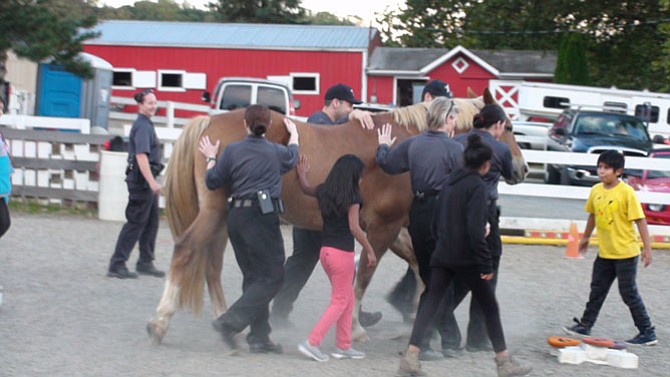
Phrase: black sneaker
[578,329]
[227,333]
[646,338]
[368,319]
[148,269]
[121,272]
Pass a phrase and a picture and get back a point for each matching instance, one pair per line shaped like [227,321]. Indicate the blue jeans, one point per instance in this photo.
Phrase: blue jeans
[604,273]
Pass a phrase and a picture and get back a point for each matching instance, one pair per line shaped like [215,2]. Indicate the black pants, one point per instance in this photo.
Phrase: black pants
[298,268]
[259,250]
[602,277]
[5,220]
[423,242]
[483,293]
[476,334]
[142,215]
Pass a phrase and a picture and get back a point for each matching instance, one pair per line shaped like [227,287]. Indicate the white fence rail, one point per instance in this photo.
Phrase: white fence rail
[169,120]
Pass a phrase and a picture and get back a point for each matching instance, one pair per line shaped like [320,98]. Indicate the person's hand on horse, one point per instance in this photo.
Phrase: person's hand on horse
[302,167]
[290,126]
[207,148]
[384,135]
[365,117]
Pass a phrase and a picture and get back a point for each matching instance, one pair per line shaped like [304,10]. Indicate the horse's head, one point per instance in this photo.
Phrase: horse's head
[468,107]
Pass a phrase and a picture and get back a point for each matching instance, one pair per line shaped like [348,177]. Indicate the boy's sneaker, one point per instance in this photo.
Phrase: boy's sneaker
[347,354]
[311,351]
[578,329]
[508,367]
[646,338]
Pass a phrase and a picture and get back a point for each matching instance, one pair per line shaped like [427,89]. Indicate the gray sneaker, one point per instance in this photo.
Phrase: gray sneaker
[508,367]
[311,351]
[347,354]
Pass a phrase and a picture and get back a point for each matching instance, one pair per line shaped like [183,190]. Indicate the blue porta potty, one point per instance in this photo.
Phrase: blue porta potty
[62,94]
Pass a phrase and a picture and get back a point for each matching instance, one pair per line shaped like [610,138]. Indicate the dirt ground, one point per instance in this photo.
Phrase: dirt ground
[62,317]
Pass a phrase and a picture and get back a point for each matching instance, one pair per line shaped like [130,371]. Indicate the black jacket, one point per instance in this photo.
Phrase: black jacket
[459,223]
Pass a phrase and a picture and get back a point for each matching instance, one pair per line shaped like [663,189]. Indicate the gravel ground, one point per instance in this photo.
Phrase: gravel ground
[62,317]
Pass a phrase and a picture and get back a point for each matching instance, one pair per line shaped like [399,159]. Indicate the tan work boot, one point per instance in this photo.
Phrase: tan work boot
[410,365]
[508,367]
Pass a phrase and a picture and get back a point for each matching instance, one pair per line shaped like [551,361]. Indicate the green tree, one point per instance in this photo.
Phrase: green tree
[663,62]
[325,18]
[259,11]
[41,29]
[572,65]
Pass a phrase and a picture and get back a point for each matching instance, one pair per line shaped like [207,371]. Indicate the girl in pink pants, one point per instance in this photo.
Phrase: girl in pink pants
[339,203]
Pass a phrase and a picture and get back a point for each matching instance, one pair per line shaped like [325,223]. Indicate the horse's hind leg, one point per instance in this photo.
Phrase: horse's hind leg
[216,249]
[402,247]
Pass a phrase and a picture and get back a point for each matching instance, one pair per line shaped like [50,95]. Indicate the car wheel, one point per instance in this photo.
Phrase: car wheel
[552,175]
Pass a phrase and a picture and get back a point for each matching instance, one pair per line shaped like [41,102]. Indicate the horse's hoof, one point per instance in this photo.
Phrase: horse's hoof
[155,333]
[359,336]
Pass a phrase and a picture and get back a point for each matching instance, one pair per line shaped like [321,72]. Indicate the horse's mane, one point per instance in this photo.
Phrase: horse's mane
[417,114]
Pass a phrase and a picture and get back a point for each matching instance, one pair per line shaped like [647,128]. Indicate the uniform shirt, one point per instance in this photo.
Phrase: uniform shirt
[143,139]
[322,118]
[429,157]
[251,165]
[336,232]
[615,210]
[501,162]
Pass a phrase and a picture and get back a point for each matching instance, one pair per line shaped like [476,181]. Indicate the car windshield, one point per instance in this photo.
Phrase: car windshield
[611,125]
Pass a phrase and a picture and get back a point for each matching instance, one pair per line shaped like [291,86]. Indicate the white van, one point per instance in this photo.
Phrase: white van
[238,92]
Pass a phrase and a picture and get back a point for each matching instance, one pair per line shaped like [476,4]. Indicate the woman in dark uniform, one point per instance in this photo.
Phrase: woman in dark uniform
[144,164]
[252,169]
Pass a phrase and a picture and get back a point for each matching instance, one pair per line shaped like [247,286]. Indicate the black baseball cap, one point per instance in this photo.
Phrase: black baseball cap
[343,93]
[436,88]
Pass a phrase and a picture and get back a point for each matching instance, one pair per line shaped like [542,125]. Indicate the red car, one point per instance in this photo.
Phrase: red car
[653,181]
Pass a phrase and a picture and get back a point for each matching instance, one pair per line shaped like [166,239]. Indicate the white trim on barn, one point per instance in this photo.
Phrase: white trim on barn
[454,52]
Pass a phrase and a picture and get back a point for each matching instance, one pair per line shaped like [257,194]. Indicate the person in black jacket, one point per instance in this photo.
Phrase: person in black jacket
[461,250]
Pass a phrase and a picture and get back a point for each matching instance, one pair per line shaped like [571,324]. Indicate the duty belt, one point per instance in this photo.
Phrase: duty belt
[248,203]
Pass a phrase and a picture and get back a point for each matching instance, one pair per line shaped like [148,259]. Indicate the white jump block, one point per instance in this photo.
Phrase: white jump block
[597,355]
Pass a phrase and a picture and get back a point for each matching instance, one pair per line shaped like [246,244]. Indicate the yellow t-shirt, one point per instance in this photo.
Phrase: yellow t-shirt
[615,210]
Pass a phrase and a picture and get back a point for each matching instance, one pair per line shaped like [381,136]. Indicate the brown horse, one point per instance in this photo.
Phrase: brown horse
[197,216]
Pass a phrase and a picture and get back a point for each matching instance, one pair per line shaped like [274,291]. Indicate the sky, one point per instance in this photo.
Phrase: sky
[365,9]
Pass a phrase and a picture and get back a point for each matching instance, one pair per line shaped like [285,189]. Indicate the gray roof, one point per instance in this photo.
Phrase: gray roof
[505,61]
[195,34]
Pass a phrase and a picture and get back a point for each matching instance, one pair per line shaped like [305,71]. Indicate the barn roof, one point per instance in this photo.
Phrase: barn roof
[499,62]
[219,35]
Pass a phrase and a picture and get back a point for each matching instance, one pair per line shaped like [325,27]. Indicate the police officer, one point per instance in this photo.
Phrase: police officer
[142,214]
[252,170]
[402,295]
[337,109]
[489,124]
[429,158]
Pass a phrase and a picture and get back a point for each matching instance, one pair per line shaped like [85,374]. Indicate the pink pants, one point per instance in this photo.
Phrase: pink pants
[339,266]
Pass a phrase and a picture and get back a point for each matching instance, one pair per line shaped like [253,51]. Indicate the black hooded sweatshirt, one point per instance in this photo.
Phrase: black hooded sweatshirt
[459,223]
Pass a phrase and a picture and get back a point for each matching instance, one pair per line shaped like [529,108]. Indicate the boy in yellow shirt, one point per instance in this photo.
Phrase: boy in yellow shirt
[613,208]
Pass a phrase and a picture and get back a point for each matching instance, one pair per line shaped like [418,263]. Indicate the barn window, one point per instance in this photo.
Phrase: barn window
[122,78]
[305,83]
[171,81]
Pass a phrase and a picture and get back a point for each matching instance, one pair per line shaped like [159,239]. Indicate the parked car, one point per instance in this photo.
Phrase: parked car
[531,135]
[653,181]
[584,131]
[233,93]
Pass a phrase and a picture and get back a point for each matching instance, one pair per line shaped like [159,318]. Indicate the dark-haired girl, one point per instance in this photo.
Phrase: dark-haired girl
[142,214]
[252,170]
[339,202]
[461,251]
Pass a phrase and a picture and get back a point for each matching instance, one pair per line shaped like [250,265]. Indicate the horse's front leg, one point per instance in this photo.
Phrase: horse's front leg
[380,237]
[402,247]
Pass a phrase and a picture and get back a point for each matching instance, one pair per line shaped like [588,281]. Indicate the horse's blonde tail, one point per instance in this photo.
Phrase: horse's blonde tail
[181,198]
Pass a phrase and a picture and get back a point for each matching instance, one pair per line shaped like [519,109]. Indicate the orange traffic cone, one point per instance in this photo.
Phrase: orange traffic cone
[572,248]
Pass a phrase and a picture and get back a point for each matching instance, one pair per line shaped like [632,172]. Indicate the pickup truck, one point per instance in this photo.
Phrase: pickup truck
[583,131]
[233,93]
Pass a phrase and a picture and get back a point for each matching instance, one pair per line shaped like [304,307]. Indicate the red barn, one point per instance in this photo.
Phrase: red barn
[180,60]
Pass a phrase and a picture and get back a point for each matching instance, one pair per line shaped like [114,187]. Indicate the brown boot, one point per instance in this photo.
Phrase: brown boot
[508,367]
[410,365]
